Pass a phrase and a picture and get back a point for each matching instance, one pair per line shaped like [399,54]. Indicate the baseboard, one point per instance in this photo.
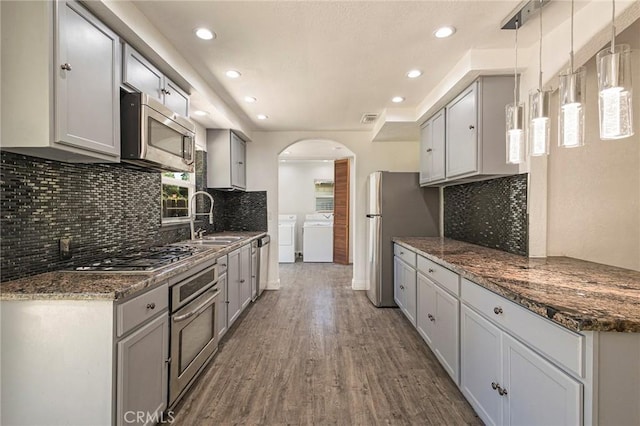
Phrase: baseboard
[359,284]
[273,285]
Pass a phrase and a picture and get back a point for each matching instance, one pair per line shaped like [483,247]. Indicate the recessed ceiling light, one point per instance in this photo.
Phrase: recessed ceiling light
[286,152]
[337,147]
[414,73]
[325,161]
[262,117]
[444,32]
[233,74]
[200,113]
[205,34]
[250,99]
[397,99]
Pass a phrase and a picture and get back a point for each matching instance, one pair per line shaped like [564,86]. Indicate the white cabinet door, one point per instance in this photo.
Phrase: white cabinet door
[143,372]
[537,392]
[175,98]
[87,81]
[426,152]
[409,283]
[233,288]
[398,272]
[245,275]
[254,272]
[222,307]
[141,75]
[426,310]
[238,166]
[480,348]
[438,147]
[447,310]
[461,134]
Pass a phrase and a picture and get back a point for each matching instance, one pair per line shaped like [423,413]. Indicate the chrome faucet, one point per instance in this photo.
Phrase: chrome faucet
[193,214]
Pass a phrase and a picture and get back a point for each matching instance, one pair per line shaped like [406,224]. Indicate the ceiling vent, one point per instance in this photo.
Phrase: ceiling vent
[369,118]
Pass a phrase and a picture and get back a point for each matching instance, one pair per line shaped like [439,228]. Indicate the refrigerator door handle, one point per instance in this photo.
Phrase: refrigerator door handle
[371,216]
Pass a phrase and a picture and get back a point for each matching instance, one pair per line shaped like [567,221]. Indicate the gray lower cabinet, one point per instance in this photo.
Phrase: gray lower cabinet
[143,373]
[254,270]
[222,308]
[405,289]
[245,275]
[69,82]
[234,305]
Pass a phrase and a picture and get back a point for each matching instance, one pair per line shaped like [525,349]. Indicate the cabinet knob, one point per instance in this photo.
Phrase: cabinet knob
[431,318]
[401,253]
[502,391]
[66,66]
[497,310]
[401,287]
[494,385]
[241,281]
[471,127]
[431,270]
[151,305]
[240,162]
[429,149]
[165,91]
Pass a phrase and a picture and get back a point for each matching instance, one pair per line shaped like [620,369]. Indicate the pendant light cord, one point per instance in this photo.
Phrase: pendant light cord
[613,26]
[515,71]
[540,52]
[571,51]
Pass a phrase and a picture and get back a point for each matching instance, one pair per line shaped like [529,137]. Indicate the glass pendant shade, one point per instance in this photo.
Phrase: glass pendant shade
[615,92]
[515,133]
[539,123]
[571,112]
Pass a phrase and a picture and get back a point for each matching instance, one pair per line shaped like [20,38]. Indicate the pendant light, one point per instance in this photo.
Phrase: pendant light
[514,119]
[614,84]
[539,123]
[572,98]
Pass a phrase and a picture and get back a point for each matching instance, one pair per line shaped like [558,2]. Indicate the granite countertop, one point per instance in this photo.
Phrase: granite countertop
[72,285]
[577,294]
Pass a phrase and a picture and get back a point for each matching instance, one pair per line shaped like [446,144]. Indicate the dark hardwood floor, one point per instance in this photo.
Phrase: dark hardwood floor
[317,352]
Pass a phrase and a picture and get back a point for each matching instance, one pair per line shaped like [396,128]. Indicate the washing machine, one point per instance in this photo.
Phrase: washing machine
[287,238]
[317,238]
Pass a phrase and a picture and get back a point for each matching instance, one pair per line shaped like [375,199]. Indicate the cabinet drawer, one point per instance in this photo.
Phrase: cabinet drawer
[558,343]
[136,311]
[405,254]
[439,274]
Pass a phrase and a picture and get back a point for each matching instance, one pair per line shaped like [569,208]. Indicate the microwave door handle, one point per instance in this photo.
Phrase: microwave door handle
[187,148]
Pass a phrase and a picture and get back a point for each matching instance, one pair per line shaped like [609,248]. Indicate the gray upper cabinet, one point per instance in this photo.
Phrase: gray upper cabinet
[475,130]
[226,160]
[141,75]
[63,103]
[432,149]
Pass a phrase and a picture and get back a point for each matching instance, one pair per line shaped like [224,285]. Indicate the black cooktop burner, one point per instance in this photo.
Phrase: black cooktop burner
[142,261]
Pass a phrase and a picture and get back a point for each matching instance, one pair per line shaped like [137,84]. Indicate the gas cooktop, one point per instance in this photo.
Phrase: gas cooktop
[142,261]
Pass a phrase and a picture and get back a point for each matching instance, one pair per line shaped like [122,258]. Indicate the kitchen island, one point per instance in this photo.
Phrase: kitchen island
[553,341]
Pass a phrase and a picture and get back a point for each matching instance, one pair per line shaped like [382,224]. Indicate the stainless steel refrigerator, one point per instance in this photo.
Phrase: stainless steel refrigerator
[397,207]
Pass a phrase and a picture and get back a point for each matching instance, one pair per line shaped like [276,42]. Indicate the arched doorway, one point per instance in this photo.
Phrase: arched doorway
[316,182]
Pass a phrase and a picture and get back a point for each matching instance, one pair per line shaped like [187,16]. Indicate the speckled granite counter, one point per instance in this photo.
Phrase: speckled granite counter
[576,294]
[70,285]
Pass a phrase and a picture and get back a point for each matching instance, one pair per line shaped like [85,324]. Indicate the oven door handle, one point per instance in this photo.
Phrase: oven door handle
[197,310]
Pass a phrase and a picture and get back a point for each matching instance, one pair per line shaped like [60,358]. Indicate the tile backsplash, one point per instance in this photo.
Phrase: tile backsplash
[491,213]
[105,208]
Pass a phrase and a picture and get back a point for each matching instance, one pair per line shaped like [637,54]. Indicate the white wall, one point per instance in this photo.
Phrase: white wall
[262,175]
[296,189]
[594,191]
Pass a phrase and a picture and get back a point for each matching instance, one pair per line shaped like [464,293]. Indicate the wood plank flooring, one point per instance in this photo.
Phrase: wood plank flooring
[317,352]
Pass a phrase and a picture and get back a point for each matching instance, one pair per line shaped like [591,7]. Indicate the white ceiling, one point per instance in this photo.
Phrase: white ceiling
[320,65]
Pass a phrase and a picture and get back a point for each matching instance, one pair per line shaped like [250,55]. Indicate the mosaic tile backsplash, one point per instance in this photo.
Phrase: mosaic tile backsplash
[104,208]
[490,213]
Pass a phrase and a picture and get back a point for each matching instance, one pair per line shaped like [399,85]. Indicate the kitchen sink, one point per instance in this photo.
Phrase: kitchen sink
[210,242]
[227,239]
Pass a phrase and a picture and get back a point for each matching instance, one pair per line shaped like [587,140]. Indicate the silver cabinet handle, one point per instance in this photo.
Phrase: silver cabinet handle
[165,91]
[223,265]
[494,385]
[431,271]
[241,281]
[497,310]
[151,305]
[401,287]
[429,149]
[431,318]
[471,127]
[502,391]
[401,253]
[66,66]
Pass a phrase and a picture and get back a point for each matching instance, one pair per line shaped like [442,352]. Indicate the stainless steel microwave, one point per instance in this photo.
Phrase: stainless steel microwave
[153,136]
